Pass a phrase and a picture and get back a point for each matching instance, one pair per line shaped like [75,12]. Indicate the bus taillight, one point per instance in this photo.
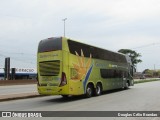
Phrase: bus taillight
[63,79]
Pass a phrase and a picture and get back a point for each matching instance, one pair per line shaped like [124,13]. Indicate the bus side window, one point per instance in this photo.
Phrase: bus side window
[121,74]
[124,74]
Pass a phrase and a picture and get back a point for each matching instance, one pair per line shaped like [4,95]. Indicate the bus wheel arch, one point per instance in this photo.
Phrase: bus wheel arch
[89,90]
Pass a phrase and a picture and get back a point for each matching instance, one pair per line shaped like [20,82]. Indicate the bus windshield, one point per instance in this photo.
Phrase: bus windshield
[50,44]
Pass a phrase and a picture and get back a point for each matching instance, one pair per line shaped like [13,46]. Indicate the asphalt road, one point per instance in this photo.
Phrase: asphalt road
[17,89]
[141,97]
[30,88]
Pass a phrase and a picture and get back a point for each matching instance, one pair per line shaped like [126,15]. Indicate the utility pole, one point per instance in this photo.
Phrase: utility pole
[64,25]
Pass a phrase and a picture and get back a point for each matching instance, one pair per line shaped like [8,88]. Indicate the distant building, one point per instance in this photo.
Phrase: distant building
[152,73]
[139,75]
[21,73]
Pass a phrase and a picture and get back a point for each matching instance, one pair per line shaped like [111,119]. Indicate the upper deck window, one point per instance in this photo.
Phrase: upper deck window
[50,44]
[96,52]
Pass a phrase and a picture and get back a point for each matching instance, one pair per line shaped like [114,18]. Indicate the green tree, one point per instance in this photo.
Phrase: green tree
[149,73]
[133,55]
[158,73]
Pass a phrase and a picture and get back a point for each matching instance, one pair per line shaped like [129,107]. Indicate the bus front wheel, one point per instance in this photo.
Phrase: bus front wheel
[126,85]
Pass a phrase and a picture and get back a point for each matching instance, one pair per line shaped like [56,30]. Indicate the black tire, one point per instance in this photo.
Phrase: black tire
[126,85]
[98,90]
[89,91]
[65,96]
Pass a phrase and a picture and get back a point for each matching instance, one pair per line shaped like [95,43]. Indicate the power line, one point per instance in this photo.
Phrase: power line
[20,60]
[20,53]
[18,57]
[148,45]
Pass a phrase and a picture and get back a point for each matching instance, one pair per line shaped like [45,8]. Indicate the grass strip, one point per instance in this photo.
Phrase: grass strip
[143,81]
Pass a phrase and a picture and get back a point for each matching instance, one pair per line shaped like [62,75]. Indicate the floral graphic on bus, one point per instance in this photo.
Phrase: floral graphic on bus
[82,66]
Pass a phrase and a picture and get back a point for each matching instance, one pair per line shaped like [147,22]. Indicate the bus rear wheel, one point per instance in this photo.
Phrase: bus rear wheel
[98,89]
[89,91]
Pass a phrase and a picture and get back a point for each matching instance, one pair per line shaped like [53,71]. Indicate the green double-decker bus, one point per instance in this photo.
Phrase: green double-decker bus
[67,67]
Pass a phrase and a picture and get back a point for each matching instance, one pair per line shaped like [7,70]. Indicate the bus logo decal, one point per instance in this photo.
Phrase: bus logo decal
[82,66]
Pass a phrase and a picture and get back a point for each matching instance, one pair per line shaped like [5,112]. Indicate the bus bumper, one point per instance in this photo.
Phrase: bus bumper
[52,90]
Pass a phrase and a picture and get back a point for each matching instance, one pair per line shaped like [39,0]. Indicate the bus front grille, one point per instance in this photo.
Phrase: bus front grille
[49,68]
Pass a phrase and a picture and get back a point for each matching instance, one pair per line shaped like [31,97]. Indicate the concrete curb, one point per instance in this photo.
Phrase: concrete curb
[19,96]
[17,82]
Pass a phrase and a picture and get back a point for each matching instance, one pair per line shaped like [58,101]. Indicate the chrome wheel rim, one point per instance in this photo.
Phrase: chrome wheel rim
[89,91]
[98,90]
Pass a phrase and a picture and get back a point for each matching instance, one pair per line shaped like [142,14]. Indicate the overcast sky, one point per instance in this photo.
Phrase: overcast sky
[109,24]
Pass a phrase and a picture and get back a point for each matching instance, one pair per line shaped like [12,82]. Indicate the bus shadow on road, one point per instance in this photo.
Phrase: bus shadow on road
[61,99]
[114,91]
